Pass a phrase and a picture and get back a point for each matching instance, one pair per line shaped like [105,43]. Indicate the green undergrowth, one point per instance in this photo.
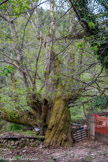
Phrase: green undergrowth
[15,128]
[28,133]
[21,132]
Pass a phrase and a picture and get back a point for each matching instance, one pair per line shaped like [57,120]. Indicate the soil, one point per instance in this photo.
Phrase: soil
[84,151]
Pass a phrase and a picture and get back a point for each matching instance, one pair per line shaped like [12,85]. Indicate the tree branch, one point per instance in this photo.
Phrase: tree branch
[3,2]
[83,23]
[37,59]
[4,18]
[18,116]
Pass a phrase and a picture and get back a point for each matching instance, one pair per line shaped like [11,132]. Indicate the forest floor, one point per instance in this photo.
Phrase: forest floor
[84,151]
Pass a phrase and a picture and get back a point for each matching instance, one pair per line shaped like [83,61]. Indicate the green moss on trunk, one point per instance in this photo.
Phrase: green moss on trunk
[59,129]
[18,116]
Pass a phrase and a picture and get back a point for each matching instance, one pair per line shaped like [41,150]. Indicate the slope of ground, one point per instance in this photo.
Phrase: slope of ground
[84,151]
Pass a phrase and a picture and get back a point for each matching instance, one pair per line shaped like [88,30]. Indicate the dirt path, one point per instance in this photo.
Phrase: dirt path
[85,151]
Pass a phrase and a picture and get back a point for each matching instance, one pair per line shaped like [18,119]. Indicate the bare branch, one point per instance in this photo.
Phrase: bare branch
[3,2]
[8,57]
[74,36]
[25,28]
[19,68]
[89,66]
[11,63]
[83,23]
[37,59]
[4,18]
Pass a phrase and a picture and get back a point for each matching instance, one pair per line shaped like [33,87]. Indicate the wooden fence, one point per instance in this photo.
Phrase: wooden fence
[80,135]
[91,126]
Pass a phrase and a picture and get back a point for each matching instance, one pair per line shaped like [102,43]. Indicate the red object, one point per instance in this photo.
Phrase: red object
[101,124]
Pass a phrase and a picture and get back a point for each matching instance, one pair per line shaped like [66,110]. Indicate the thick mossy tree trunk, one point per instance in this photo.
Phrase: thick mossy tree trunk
[59,129]
[42,108]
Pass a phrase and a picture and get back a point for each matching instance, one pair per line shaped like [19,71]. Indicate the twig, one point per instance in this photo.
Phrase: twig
[3,2]
[37,59]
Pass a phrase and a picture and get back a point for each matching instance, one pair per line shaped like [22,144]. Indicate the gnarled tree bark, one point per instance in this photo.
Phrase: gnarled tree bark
[59,129]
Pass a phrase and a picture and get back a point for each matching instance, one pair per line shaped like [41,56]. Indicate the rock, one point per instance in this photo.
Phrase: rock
[24,151]
[12,143]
